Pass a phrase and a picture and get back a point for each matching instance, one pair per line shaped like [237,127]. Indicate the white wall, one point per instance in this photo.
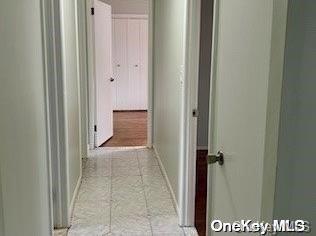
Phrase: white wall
[168,60]
[128,6]
[205,71]
[296,175]
[23,146]
[71,78]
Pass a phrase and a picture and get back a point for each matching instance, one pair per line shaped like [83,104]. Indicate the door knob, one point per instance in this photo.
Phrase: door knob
[112,79]
[136,65]
[213,158]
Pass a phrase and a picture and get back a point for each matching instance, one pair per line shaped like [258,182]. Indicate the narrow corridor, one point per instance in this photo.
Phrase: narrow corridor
[123,192]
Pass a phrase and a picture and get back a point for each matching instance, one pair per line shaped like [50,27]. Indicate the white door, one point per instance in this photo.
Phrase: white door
[120,64]
[114,63]
[133,43]
[130,64]
[103,70]
[247,67]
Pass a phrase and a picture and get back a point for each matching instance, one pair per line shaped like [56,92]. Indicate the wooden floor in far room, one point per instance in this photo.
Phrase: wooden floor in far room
[130,129]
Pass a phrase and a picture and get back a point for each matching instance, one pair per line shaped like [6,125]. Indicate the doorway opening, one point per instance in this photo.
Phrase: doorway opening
[206,34]
[120,104]
[130,129]
[130,85]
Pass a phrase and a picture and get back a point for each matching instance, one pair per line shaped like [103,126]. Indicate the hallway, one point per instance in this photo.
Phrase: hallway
[123,192]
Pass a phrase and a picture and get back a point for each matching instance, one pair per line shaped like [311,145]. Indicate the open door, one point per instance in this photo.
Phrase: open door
[103,72]
[248,50]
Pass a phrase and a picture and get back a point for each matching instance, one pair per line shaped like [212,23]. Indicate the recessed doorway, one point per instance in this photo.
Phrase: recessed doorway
[130,129]
[124,89]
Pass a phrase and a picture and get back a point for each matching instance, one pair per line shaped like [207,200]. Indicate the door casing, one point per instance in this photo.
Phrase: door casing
[60,207]
[91,72]
[187,173]
[58,191]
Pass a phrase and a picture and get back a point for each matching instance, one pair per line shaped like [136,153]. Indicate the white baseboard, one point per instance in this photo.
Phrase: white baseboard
[74,197]
[164,173]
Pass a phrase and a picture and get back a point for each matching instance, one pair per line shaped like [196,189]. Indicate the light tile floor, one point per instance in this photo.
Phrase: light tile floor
[123,192]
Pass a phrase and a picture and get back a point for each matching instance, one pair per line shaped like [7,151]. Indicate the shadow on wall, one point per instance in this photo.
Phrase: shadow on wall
[205,72]
[295,189]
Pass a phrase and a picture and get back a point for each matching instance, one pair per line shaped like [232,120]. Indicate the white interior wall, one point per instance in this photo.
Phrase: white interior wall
[128,6]
[168,59]
[295,188]
[23,146]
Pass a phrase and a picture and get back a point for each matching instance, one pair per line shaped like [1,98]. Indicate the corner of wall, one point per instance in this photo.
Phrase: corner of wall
[165,175]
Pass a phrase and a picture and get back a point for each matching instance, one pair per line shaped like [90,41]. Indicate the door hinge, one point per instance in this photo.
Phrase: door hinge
[195,113]
[92,11]
[95,128]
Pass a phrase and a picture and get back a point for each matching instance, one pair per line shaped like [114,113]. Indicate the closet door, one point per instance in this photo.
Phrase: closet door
[114,85]
[143,94]
[133,42]
[121,86]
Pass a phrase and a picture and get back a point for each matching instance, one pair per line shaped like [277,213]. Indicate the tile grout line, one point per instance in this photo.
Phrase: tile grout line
[143,187]
[111,193]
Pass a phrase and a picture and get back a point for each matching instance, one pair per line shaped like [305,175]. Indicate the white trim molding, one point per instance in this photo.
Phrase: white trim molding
[189,123]
[91,74]
[56,112]
[49,75]
[150,114]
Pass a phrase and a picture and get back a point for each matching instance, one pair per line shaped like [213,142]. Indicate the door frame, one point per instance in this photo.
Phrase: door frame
[278,39]
[188,135]
[56,122]
[60,207]
[91,72]
[211,102]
